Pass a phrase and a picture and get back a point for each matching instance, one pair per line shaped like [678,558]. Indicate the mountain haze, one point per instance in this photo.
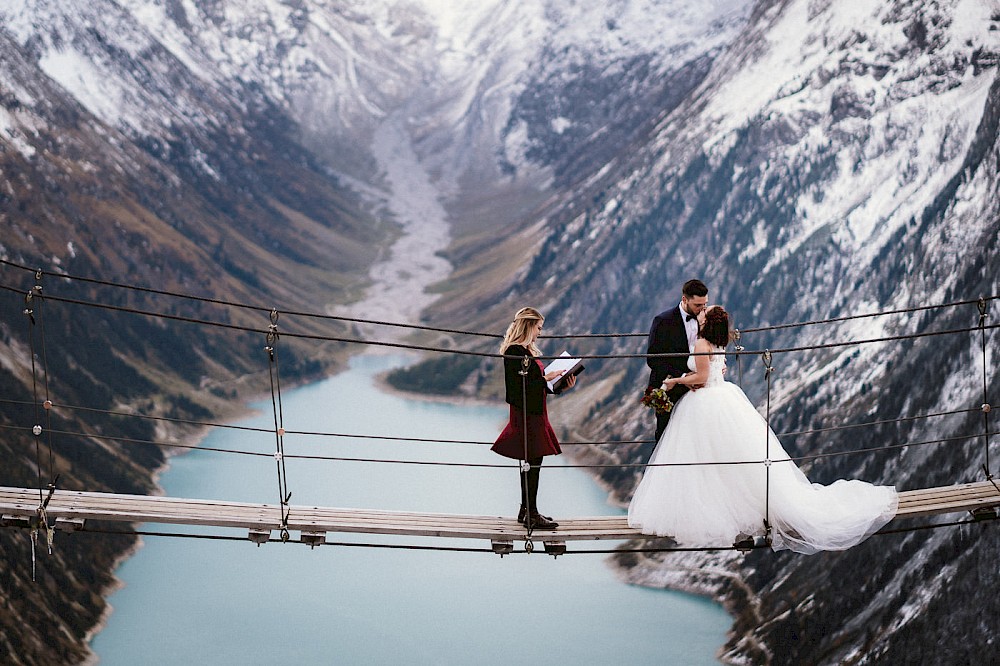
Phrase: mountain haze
[809,159]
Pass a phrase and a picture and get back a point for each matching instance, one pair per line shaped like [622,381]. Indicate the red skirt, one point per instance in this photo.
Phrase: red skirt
[541,437]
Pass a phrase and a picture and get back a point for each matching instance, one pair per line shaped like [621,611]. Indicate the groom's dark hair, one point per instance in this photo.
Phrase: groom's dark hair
[694,288]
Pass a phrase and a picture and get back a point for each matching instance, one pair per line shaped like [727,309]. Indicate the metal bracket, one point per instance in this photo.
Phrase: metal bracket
[12,520]
[503,546]
[259,535]
[982,513]
[69,524]
[313,538]
[555,548]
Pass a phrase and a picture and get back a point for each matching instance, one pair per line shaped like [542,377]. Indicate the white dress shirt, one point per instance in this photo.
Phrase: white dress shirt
[691,326]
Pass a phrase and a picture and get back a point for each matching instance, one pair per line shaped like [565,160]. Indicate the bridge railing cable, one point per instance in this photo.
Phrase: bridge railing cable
[374,322]
[36,294]
[468,352]
[399,461]
[434,440]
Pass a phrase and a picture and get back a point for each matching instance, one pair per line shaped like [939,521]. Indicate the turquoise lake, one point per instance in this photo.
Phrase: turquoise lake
[199,601]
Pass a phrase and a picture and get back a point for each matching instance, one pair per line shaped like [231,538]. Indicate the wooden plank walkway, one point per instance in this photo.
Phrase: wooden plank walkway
[69,509]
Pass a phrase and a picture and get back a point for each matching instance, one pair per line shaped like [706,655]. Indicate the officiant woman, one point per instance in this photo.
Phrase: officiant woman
[528,435]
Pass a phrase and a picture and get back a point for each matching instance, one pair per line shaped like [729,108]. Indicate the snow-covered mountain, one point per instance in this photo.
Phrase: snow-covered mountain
[807,158]
[838,159]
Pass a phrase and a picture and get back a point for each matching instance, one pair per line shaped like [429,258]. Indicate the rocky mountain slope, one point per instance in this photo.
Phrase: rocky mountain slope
[809,159]
[225,149]
[838,159]
[122,162]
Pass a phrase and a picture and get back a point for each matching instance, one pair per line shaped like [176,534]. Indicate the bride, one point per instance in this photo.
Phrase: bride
[728,494]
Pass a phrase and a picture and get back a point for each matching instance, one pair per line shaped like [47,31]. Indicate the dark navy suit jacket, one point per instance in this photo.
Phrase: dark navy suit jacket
[668,335]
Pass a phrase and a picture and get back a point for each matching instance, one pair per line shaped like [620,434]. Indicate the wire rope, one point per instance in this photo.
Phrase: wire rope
[279,430]
[87,529]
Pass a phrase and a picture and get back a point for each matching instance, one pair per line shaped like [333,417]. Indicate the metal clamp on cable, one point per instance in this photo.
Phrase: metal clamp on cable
[28,298]
[766,359]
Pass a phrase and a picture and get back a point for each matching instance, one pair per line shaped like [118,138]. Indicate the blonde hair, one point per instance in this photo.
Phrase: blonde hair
[519,331]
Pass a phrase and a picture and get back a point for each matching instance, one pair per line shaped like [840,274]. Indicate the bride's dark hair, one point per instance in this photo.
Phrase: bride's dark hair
[716,327]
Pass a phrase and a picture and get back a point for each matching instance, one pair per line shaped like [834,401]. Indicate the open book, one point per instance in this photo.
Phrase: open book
[572,366]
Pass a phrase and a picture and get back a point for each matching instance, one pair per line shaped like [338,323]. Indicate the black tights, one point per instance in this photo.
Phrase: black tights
[529,485]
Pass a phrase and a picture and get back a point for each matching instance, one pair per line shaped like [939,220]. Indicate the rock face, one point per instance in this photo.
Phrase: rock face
[124,162]
[835,161]
[808,159]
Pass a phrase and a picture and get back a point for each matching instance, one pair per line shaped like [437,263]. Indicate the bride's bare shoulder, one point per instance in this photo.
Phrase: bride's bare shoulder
[702,345]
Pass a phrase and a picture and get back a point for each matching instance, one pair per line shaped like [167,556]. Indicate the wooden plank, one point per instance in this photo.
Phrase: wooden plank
[67,506]
[929,494]
[958,487]
[950,499]
[939,508]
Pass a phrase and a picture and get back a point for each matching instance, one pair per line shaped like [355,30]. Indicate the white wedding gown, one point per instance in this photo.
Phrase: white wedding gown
[712,504]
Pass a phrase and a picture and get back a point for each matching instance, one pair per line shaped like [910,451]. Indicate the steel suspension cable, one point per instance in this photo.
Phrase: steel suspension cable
[982,328]
[88,529]
[284,495]
[431,440]
[32,300]
[315,315]
[29,311]
[438,463]
[986,402]
[249,306]
[737,335]
[465,352]
[768,369]
[525,466]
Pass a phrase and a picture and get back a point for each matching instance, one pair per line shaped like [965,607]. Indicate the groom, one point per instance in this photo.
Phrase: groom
[674,331]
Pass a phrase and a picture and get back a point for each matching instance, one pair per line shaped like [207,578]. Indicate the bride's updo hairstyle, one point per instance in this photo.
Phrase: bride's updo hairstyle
[716,327]
[519,331]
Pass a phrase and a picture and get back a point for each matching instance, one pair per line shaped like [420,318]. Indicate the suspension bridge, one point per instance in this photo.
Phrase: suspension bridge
[69,510]
[49,509]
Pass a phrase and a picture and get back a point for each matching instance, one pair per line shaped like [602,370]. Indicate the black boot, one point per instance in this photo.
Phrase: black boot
[522,514]
[524,498]
[533,519]
[539,522]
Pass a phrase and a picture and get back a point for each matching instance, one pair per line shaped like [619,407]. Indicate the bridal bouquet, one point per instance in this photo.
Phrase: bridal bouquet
[658,399]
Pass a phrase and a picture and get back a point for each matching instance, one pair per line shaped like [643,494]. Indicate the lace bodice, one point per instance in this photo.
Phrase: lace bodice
[716,367]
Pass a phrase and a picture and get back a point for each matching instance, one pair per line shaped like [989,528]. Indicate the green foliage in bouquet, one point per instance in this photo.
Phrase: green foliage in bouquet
[657,399]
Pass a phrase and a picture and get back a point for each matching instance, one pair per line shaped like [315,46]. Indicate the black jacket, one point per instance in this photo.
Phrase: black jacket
[532,386]
[668,335]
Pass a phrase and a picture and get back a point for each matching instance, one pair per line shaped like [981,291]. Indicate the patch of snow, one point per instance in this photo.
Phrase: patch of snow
[12,132]
[561,124]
